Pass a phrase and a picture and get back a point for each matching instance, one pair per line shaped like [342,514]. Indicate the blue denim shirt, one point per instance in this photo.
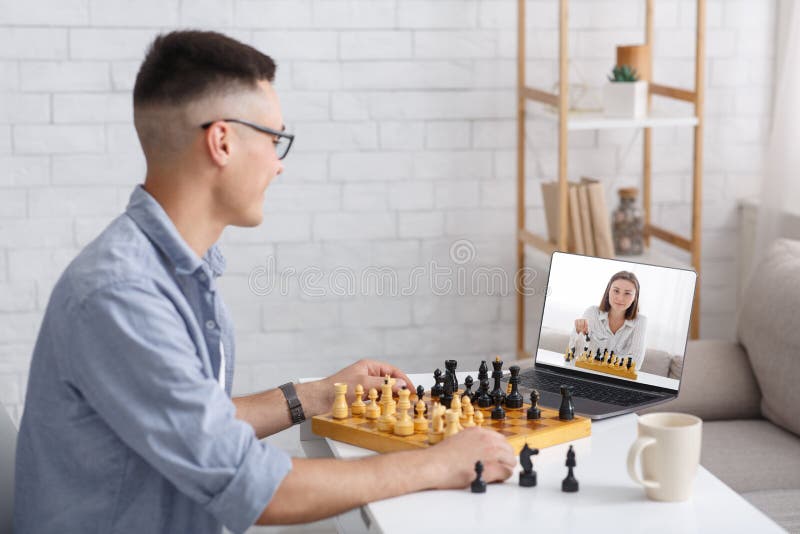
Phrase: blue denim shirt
[126,428]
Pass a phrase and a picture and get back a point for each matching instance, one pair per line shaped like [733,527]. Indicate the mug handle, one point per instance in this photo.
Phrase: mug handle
[633,457]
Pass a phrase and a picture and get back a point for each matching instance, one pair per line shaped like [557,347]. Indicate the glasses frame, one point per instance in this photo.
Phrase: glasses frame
[262,129]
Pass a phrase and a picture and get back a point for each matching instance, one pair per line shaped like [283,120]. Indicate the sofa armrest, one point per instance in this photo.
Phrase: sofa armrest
[717,383]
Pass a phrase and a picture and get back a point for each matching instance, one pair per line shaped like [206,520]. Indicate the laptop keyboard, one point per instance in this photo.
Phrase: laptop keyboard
[581,388]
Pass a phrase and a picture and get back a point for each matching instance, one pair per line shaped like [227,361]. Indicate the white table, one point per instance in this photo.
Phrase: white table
[608,500]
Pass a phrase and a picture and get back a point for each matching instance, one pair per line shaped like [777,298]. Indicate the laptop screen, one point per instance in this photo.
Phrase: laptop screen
[616,318]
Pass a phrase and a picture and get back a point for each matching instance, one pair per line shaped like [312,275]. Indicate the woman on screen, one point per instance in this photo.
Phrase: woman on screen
[616,323]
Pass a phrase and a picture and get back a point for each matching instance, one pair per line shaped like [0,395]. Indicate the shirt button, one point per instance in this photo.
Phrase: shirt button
[210,325]
[202,277]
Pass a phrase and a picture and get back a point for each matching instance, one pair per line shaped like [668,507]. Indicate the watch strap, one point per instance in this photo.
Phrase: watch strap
[295,408]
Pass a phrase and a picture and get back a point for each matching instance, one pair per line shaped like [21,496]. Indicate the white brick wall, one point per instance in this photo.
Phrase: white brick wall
[404,114]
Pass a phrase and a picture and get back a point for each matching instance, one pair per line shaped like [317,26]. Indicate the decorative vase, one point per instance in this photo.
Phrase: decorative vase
[625,99]
[628,224]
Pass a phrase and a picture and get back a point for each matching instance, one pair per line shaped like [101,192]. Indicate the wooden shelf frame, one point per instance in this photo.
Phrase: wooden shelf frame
[525,93]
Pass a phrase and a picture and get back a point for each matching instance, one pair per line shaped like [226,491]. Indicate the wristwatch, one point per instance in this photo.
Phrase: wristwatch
[295,408]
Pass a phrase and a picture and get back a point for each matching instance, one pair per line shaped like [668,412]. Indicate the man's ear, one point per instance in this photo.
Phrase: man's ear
[218,142]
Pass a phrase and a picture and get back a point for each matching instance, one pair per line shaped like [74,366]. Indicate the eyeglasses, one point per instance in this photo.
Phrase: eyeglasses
[283,141]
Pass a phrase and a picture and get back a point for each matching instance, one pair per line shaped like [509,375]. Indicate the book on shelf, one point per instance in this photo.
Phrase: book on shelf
[575,239]
[601,218]
[588,219]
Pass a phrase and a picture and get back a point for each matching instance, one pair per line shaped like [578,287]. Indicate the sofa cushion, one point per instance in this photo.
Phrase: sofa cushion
[751,455]
[782,506]
[718,383]
[768,327]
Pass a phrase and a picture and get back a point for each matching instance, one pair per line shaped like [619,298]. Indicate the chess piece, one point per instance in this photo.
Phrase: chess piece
[404,426]
[453,426]
[450,373]
[437,390]
[597,356]
[630,361]
[483,371]
[605,356]
[339,402]
[527,478]
[570,484]
[498,413]
[358,406]
[469,412]
[468,388]
[436,433]
[534,412]
[420,423]
[478,418]
[388,404]
[566,412]
[373,411]
[420,393]
[455,405]
[387,419]
[478,485]
[447,397]
[497,375]
[484,400]
[514,397]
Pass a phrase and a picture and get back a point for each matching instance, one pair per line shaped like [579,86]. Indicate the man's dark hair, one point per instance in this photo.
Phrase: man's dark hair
[183,65]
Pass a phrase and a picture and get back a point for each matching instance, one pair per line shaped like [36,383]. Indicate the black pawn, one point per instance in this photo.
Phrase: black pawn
[534,412]
[498,412]
[527,478]
[484,400]
[514,398]
[447,397]
[567,410]
[436,390]
[421,396]
[478,485]
[468,388]
[570,484]
[630,361]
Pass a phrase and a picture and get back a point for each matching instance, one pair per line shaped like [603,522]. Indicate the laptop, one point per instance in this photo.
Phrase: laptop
[632,318]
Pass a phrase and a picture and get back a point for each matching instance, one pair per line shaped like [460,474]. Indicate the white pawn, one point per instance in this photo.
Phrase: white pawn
[373,411]
[455,405]
[436,433]
[357,408]
[478,418]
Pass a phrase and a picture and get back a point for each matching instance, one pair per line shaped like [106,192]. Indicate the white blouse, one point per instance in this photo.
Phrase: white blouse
[628,341]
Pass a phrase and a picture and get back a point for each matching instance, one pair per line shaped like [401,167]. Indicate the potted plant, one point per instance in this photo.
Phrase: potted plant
[625,95]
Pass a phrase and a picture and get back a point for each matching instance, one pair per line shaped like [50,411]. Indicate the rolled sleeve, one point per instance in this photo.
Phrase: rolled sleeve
[242,502]
[138,367]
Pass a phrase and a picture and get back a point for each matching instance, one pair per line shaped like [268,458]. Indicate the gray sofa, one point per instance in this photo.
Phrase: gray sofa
[748,392]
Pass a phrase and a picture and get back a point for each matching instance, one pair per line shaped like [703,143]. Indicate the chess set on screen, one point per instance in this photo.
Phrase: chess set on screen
[385,424]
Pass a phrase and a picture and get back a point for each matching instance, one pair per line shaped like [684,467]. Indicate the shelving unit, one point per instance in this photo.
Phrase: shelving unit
[594,121]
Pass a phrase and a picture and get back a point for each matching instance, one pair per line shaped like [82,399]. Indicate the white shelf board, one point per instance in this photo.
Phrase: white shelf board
[596,120]
[650,256]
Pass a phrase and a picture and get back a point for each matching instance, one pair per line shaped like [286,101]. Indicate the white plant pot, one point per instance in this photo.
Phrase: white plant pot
[625,99]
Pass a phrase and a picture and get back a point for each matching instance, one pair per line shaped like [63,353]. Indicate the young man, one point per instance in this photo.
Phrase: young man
[128,423]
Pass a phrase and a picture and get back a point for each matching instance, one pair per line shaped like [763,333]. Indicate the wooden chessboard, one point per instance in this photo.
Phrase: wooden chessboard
[518,430]
[623,372]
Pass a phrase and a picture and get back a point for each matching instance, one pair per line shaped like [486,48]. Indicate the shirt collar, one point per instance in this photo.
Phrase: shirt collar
[151,218]
[603,316]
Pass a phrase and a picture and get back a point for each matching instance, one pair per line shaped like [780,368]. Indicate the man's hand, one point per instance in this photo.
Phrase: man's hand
[317,397]
[458,454]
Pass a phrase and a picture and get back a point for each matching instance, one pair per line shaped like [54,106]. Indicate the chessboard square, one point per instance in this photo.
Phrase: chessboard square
[506,432]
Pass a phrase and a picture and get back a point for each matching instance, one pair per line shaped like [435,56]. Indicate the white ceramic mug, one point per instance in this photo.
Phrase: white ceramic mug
[669,447]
